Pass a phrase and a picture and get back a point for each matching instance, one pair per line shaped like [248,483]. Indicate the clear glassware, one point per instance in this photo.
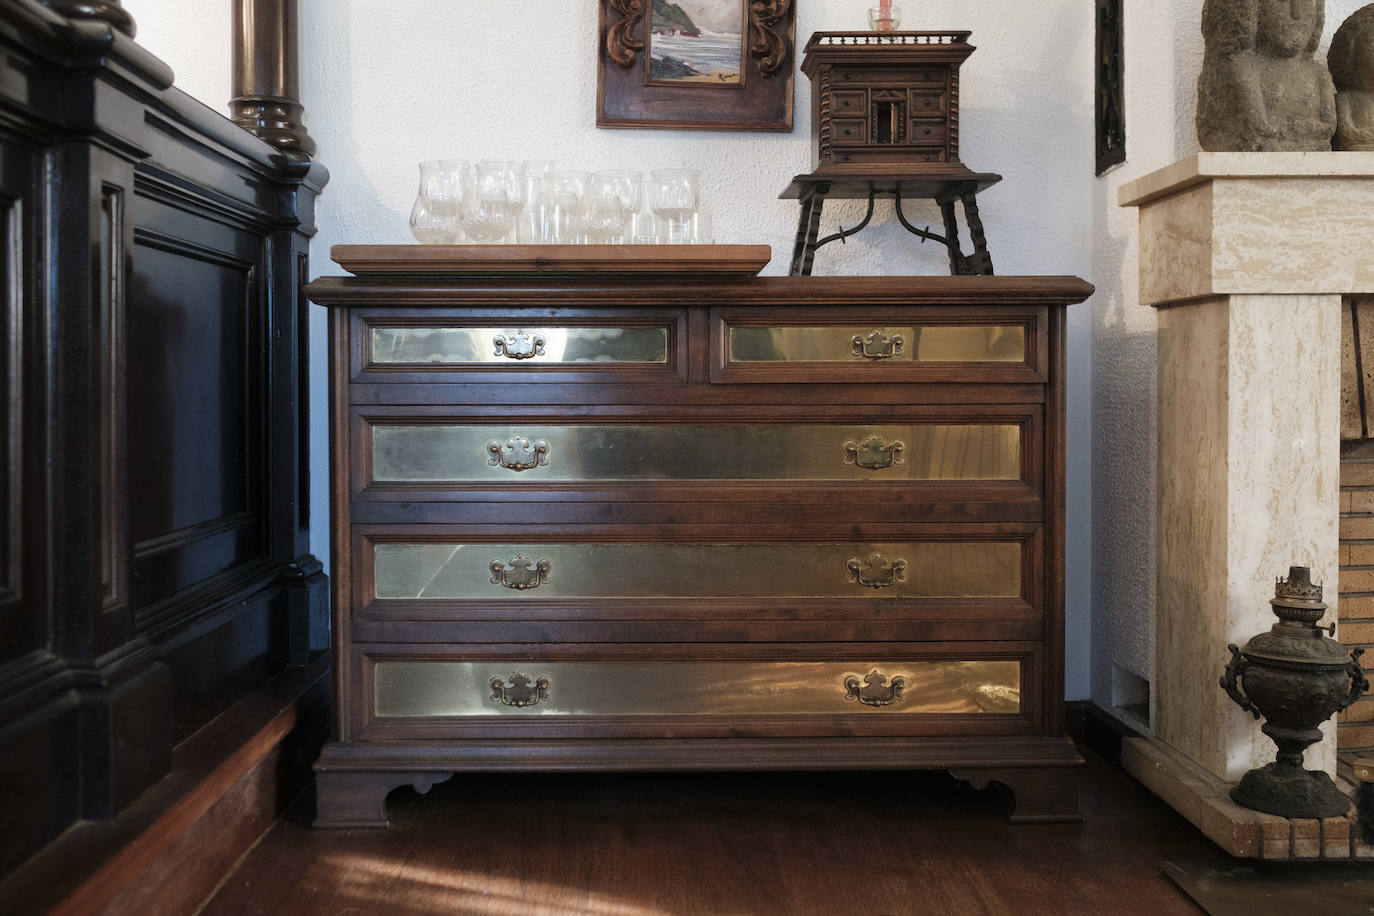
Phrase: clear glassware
[436,217]
[616,194]
[700,231]
[884,18]
[676,194]
[509,176]
[556,214]
[574,185]
[644,229]
[488,211]
[528,222]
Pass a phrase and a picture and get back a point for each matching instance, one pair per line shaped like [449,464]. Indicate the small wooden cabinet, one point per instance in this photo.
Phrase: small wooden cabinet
[655,520]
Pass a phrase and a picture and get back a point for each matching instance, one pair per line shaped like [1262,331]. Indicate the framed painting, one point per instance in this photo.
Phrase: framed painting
[696,64]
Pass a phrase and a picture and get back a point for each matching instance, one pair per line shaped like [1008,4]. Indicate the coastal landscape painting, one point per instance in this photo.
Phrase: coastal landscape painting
[697,41]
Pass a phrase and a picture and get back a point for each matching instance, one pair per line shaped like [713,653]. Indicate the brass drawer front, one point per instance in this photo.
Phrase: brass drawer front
[534,453]
[418,689]
[504,572]
[879,344]
[517,346]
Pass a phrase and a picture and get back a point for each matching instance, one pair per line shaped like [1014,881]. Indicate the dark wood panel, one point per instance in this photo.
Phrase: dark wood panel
[194,433]
[211,672]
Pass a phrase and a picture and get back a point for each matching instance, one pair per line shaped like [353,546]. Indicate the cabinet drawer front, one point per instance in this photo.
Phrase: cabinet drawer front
[533,454]
[862,343]
[521,346]
[850,103]
[869,346]
[927,133]
[864,571]
[526,687]
[928,103]
[853,131]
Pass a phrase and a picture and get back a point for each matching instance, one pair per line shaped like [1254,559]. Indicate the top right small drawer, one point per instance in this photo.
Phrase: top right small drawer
[864,345]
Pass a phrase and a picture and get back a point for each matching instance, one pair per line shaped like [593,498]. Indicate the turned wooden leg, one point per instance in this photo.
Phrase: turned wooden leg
[358,799]
[1048,795]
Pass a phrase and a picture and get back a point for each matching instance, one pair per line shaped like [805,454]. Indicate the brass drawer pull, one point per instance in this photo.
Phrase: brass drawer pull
[878,344]
[521,691]
[519,454]
[520,573]
[874,454]
[519,345]
[877,571]
[874,691]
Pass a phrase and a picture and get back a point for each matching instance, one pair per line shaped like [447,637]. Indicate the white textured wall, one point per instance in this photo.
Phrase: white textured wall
[388,83]
[1163,59]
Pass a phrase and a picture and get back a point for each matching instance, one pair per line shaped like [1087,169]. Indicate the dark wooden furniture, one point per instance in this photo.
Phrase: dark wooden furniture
[885,123]
[154,550]
[614,521]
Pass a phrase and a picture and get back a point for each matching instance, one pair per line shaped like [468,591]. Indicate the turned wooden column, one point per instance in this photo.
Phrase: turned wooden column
[267,88]
[106,10]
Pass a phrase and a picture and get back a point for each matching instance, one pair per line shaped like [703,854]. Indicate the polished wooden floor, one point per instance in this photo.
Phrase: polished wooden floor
[643,845]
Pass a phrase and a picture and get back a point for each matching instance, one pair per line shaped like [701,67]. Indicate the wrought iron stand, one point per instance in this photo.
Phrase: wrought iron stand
[812,191]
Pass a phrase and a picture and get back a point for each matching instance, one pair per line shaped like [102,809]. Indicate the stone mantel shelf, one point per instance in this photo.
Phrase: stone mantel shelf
[1208,166]
[1260,224]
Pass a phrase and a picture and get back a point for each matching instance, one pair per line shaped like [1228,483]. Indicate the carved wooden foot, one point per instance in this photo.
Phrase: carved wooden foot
[358,799]
[1043,796]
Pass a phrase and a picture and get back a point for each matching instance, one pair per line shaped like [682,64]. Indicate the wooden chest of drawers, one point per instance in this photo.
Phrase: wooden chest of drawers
[619,522]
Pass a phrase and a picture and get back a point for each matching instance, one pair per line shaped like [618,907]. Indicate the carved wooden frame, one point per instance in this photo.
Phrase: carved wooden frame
[626,97]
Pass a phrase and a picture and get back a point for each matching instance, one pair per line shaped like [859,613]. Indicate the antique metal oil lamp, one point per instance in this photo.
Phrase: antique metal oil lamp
[1296,678]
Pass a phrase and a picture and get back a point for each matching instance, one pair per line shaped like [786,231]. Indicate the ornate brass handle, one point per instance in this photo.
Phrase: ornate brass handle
[874,691]
[519,345]
[521,692]
[1230,681]
[877,571]
[1359,684]
[873,454]
[519,454]
[520,573]
[877,344]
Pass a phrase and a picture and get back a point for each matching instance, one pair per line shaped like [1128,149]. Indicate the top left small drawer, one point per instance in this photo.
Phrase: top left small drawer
[389,346]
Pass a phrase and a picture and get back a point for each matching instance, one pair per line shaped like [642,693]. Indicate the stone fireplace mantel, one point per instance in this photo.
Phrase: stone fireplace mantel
[1248,259]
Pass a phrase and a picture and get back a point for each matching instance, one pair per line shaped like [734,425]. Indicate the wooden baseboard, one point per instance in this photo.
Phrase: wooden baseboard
[169,849]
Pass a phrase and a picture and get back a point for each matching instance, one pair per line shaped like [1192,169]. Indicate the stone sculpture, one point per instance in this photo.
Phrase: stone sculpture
[1351,60]
[1260,89]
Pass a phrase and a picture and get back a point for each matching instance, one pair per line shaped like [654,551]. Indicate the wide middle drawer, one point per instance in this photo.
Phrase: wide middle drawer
[533,453]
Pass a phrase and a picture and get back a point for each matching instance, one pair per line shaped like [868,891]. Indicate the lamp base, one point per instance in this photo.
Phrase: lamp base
[1290,791]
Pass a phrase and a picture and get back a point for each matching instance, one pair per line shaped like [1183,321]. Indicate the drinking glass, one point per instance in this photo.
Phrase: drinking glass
[435,218]
[676,194]
[615,194]
[488,211]
[643,229]
[700,231]
[528,222]
[508,175]
[572,186]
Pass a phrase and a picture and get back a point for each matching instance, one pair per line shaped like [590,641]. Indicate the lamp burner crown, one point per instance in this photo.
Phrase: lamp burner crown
[1296,601]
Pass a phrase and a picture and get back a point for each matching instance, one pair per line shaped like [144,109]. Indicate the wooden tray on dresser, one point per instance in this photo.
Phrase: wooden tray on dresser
[546,260]
[642,518]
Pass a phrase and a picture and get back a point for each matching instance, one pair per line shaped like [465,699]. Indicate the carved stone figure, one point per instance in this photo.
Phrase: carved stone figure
[1260,89]
[1351,60]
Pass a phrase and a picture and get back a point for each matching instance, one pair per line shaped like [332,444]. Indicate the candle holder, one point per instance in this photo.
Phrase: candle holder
[884,18]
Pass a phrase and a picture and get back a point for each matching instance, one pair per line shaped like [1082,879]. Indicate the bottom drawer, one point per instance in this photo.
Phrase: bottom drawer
[503,687]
